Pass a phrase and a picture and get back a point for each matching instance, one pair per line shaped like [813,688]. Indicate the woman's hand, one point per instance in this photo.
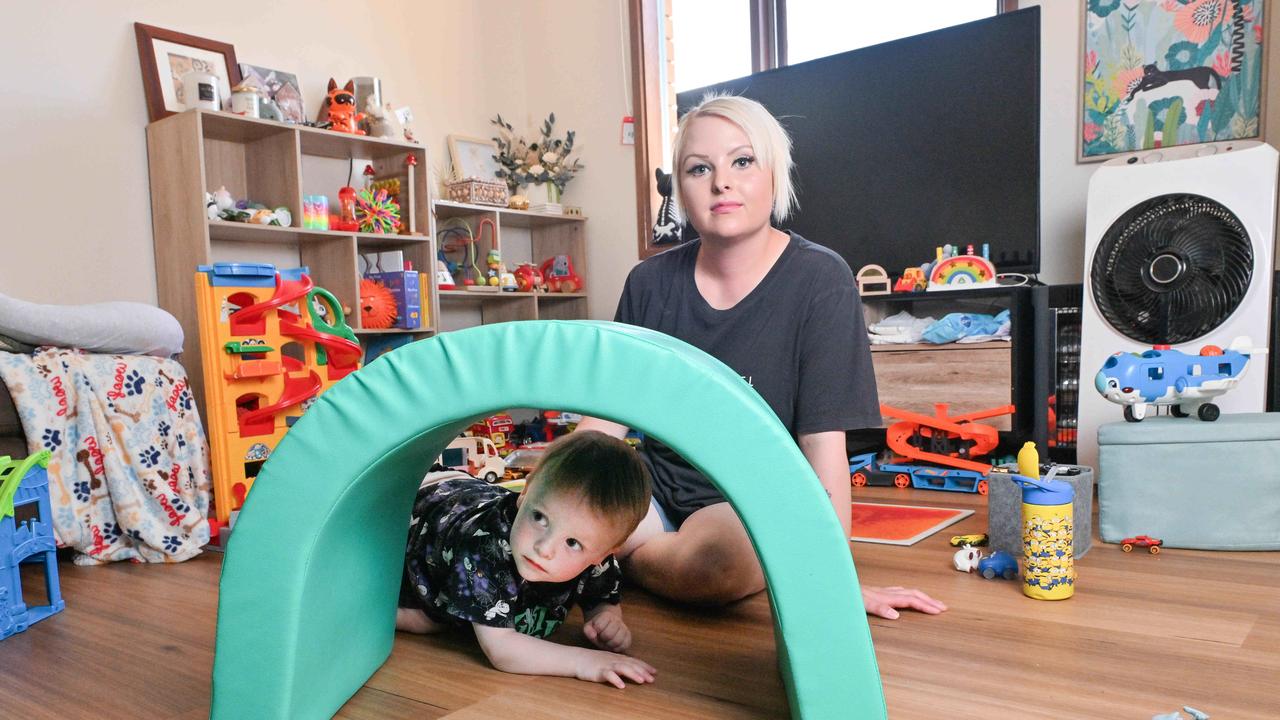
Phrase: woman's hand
[885,601]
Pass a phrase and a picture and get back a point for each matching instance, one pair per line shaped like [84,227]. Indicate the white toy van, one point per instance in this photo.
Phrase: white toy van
[474,455]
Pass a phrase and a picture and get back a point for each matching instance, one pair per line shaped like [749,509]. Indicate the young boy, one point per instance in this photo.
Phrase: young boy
[512,566]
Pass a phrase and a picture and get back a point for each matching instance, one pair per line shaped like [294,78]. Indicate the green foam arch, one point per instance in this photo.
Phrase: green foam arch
[306,611]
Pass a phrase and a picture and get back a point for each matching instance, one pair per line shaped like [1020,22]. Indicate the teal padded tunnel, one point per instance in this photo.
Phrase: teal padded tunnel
[306,612]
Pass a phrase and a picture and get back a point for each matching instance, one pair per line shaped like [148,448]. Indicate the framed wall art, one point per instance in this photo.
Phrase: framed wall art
[280,86]
[1159,73]
[473,158]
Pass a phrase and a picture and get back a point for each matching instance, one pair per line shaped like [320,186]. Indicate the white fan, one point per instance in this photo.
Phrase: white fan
[1178,247]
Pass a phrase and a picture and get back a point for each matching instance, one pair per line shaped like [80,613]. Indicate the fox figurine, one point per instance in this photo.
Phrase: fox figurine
[340,104]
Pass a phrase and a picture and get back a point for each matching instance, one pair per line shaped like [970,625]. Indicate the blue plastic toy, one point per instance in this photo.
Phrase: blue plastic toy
[24,483]
[998,563]
[1162,376]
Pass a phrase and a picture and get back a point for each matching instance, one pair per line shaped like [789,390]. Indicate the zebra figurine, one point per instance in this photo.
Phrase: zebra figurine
[666,231]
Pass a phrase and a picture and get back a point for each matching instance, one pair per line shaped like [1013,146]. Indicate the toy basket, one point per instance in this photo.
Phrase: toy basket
[477,192]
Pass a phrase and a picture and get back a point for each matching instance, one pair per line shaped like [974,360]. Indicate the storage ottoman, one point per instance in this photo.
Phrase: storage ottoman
[1192,484]
[1004,509]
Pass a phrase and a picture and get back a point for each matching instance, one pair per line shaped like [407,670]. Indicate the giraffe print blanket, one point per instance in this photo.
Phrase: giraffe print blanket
[129,473]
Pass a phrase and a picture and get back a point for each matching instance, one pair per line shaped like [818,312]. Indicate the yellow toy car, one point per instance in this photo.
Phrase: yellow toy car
[976,540]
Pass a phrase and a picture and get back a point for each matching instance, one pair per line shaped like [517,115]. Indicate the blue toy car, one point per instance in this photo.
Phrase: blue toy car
[998,563]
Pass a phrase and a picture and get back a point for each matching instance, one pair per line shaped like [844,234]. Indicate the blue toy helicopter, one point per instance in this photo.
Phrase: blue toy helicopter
[1161,376]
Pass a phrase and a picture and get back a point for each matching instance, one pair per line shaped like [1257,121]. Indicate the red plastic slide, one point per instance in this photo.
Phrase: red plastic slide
[343,354]
[287,291]
[297,390]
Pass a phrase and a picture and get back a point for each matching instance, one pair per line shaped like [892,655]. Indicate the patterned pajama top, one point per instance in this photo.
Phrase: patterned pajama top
[458,566]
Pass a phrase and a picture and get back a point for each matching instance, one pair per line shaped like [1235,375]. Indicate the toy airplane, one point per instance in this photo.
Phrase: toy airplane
[1161,376]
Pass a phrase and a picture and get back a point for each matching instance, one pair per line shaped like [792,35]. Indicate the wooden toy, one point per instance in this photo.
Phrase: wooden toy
[873,280]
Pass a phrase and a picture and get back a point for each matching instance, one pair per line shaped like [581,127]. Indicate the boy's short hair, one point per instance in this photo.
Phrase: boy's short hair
[768,139]
[606,471]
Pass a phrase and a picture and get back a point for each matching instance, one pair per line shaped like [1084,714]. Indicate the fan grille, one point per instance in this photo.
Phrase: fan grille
[1172,269]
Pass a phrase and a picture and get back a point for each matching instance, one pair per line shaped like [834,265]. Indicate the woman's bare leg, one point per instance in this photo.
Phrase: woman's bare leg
[709,561]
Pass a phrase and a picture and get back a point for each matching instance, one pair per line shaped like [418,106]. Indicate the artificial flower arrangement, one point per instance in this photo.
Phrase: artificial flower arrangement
[543,161]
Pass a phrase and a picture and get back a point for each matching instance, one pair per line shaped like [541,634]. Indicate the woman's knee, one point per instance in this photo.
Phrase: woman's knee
[723,573]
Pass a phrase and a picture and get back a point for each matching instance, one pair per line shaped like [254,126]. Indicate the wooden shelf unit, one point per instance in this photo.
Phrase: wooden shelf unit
[548,235]
[198,151]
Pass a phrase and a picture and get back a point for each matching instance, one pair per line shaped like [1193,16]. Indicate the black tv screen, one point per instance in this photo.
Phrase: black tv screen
[916,143]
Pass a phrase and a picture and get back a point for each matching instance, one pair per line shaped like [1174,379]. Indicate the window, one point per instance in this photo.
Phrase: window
[711,42]
[678,45]
[1155,372]
[817,28]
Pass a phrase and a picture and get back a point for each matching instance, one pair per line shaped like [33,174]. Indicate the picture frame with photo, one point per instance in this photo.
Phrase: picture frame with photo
[167,55]
[474,158]
[279,86]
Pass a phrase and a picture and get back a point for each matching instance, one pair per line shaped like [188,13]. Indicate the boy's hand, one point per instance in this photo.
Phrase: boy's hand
[605,629]
[599,666]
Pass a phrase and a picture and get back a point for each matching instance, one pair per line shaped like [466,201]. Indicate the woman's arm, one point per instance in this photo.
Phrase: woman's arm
[514,652]
[825,451]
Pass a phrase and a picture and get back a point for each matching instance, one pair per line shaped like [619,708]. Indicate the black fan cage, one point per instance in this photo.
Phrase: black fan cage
[1172,269]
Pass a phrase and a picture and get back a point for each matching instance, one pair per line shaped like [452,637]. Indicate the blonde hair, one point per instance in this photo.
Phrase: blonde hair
[771,143]
[606,471]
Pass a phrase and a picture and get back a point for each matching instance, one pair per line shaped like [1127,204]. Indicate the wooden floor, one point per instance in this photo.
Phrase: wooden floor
[1143,635]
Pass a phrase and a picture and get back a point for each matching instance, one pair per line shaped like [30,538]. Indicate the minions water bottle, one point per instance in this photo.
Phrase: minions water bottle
[1047,530]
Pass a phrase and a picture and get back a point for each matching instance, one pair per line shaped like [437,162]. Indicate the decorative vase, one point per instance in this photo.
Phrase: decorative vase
[544,197]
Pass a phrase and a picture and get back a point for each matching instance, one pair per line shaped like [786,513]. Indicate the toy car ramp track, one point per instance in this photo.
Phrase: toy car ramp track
[306,610]
[941,438]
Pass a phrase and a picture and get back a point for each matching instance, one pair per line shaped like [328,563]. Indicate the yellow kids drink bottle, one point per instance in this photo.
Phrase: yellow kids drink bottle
[1047,531]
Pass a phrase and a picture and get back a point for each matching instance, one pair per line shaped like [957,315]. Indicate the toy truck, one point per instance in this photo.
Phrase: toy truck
[932,452]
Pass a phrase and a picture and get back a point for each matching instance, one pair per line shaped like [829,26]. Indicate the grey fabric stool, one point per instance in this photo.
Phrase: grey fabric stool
[1004,509]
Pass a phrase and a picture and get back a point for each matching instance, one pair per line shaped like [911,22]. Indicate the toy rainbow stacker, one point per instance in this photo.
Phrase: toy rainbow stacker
[271,343]
[953,271]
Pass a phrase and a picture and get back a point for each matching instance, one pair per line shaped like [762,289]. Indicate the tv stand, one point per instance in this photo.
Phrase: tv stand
[972,376]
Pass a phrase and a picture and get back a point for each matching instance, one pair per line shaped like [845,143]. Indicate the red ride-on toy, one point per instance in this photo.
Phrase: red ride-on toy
[1151,544]
[560,276]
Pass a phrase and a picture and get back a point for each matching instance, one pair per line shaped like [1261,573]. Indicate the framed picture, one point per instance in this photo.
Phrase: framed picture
[167,55]
[1158,74]
[473,158]
[280,86]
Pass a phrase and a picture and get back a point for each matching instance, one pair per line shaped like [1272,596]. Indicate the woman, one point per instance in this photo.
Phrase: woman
[783,313]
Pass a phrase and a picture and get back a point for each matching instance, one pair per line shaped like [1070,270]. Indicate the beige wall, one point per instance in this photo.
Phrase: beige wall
[577,65]
[78,227]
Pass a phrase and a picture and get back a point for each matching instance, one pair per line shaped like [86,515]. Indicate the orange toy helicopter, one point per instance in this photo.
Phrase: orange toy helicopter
[341,107]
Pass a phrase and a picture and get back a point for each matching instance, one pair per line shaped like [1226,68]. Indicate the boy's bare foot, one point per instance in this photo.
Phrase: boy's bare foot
[415,621]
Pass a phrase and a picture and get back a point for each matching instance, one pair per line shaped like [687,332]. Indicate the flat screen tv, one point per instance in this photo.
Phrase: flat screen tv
[912,144]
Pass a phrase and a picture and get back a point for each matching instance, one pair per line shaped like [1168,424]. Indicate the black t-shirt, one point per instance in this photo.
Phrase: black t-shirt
[459,570]
[798,338]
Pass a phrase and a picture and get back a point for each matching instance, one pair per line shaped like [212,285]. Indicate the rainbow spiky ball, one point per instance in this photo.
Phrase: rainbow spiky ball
[377,212]
[377,306]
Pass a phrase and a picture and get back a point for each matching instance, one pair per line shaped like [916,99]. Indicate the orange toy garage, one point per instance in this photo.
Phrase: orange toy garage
[271,342]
